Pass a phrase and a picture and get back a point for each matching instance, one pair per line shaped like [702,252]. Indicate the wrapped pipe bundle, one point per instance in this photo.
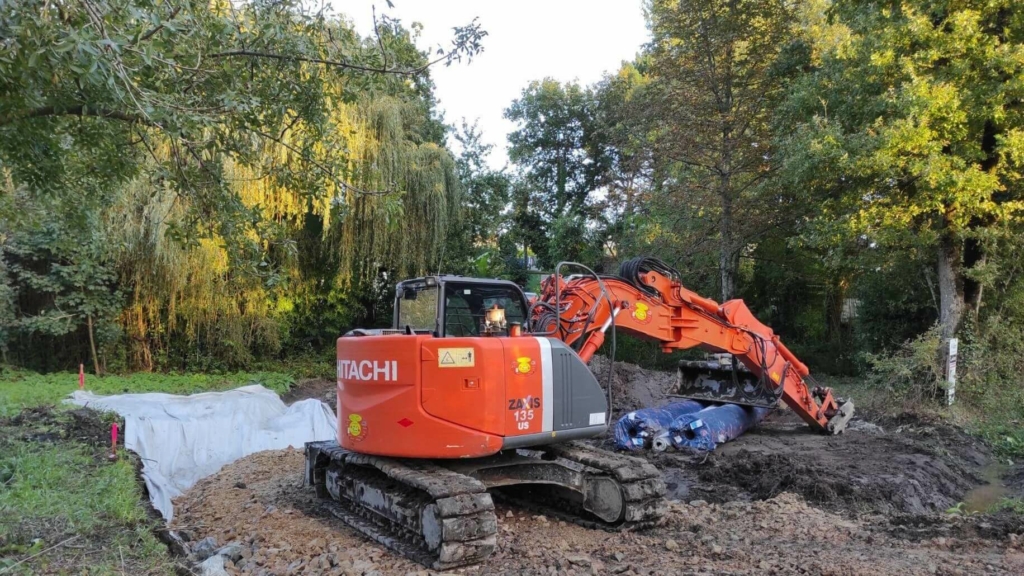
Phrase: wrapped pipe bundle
[636,430]
[706,429]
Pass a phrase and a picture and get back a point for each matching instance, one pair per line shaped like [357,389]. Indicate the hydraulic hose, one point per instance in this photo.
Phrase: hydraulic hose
[632,271]
[611,309]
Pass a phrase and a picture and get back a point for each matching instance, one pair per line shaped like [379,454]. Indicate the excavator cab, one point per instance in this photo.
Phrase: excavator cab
[456,306]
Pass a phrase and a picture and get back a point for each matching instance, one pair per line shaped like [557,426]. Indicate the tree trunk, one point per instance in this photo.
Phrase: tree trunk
[951,287]
[973,255]
[727,261]
[835,298]
[728,254]
[92,345]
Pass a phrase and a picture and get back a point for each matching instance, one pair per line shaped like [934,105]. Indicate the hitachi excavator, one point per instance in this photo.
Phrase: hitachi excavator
[477,392]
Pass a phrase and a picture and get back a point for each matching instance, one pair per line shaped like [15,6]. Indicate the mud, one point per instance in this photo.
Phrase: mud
[633,387]
[914,468]
[1014,480]
[908,464]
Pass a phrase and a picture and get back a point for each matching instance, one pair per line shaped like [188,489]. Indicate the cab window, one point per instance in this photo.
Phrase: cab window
[466,304]
[417,307]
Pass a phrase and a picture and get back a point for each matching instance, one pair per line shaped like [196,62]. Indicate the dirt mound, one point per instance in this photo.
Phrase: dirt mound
[633,387]
[904,482]
[1000,525]
[913,468]
[909,463]
[1015,480]
[260,503]
[324,390]
[47,424]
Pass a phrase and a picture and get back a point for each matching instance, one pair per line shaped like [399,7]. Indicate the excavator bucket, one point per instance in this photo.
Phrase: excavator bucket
[723,381]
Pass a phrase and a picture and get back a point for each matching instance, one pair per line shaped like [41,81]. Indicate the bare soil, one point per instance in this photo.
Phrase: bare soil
[47,424]
[633,387]
[319,388]
[259,502]
[1015,479]
[779,500]
[914,467]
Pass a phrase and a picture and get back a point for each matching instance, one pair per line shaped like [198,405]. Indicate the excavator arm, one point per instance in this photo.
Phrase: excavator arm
[647,300]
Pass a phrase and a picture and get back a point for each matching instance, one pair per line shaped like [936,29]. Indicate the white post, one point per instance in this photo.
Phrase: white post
[951,372]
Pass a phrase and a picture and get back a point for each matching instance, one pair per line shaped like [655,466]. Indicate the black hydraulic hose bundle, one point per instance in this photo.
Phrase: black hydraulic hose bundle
[545,317]
[632,270]
[554,313]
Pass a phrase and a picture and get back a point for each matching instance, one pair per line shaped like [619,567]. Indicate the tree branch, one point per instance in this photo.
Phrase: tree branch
[335,63]
[380,43]
[80,111]
[160,27]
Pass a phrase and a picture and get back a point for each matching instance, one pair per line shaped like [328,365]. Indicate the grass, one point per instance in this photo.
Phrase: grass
[995,414]
[1006,437]
[66,509]
[1015,505]
[20,389]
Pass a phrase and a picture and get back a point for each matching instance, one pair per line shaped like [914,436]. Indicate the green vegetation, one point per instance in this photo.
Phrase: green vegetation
[65,484]
[201,185]
[852,170]
[1015,505]
[69,510]
[54,486]
[20,389]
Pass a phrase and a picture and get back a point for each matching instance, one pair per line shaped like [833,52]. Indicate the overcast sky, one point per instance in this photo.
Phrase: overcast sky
[526,40]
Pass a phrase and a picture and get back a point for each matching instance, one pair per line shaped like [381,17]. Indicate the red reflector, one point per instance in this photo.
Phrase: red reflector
[405,422]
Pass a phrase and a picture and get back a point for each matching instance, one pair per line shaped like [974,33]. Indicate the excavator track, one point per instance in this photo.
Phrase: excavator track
[429,514]
[641,485]
[440,514]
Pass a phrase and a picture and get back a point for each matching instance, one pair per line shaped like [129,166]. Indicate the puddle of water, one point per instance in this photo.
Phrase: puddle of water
[677,484]
[985,497]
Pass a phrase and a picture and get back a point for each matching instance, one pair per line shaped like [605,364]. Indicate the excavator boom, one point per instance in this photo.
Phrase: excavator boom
[648,300]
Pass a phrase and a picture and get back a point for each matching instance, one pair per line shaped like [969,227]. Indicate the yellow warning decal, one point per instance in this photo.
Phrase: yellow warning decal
[455,357]
[775,376]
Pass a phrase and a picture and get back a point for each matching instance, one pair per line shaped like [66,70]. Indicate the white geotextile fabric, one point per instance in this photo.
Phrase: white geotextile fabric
[182,439]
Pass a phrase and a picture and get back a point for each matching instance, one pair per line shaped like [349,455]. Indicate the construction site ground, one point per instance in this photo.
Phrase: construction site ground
[905,494]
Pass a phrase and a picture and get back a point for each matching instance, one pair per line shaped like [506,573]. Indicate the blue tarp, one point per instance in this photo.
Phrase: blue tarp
[706,429]
[636,430]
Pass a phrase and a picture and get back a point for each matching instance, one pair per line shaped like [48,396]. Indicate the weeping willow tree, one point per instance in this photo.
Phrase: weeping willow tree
[389,207]
[384,213]
[402,225]
[184,302]
[391,203]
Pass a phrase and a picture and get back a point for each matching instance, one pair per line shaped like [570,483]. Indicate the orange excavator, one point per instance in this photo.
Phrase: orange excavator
[477,392]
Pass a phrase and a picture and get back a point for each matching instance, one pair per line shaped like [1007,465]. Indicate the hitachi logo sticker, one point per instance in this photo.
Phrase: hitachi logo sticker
[367,370]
